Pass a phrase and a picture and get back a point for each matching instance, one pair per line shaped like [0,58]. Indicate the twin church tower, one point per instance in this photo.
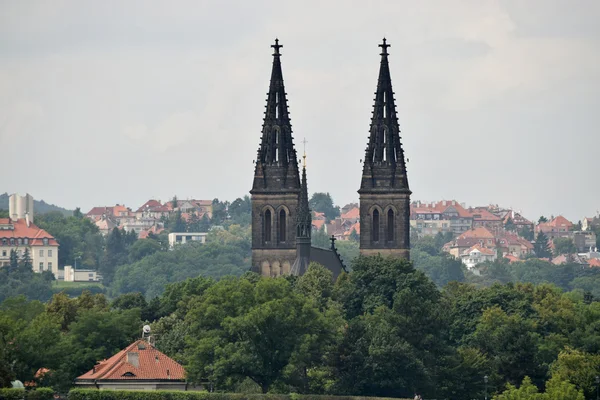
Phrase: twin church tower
[281,218]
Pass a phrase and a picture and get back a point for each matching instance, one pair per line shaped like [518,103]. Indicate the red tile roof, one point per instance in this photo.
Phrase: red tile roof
[439,208]
[31,232]
[481,249]
[479,232]
[99,211]
[512,259]
[318,223]
[594,262]
[482,214]
[318,215]
[152,364]
[353,213]
[150,204]
[355,227]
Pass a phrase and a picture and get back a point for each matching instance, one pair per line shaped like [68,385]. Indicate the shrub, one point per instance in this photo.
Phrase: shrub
[22,394]
[92,394]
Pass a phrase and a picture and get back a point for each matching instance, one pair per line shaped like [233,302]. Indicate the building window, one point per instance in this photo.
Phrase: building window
[19,241]
[41,253]
[26,240]
[375,228]
[3,253]
[3,242]
[49,253]
[390,226]
[282,226]
[12,241]
[45,241]
[49,266]
[267,226]
[91,275]
[41,266]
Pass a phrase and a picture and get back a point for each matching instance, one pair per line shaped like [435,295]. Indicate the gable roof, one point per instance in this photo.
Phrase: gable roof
[353,213]
[481,249]
[152,364]
[482,214]
[33,233]
[479,232]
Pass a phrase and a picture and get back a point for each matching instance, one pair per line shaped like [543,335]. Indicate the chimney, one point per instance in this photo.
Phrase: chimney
[27,219]
[453,202]
[133,358]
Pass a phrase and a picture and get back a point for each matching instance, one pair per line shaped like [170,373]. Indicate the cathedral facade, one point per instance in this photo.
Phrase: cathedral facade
[281,218]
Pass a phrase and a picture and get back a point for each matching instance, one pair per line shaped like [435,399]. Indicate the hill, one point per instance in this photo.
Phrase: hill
[39,207]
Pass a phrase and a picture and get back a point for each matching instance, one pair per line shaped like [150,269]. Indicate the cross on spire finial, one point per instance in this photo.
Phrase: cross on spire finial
[384,46]
[276,46]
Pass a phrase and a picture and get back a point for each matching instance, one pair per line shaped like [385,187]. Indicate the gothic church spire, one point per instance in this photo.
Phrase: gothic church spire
[276,154]
[384,165]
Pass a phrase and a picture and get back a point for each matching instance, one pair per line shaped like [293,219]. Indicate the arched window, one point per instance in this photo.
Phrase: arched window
[267,226]
[375,232]
[390,226]
[282,226]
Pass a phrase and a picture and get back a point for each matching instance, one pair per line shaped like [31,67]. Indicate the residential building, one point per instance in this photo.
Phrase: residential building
[480,235]
[140,366]
[22,234]
[429,219]
[105,225]
[482,217]
[80,275]
[557,227]
[590,224]
[179,238]
[584,240]
[477,254]
[513,244]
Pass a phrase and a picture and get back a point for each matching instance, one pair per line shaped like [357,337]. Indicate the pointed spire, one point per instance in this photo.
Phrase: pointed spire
[276,156]
[303,217]
[384,156]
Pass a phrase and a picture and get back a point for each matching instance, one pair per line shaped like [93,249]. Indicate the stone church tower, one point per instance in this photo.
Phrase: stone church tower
[384,193]
[276,187]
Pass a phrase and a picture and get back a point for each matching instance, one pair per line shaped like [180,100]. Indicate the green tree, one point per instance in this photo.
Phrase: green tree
[542,246]
[564,246]
[263,331]
[143,248]
[509,225]
[322,202]
[542,219]
[320,239]
[526,232]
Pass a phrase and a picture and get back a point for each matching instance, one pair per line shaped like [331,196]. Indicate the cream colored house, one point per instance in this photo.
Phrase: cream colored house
[22,234]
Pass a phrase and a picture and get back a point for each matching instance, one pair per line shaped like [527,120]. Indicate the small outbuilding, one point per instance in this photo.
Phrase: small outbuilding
[140,366]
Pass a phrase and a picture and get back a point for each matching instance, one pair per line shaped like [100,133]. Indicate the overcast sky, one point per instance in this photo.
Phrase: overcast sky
[105,102]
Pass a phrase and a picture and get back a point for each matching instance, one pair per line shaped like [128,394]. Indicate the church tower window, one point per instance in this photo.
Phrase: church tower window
[390,226]
[375,228]
[267,226]
[282,226]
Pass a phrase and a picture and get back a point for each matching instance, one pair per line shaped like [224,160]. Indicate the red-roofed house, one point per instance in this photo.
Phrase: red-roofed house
[352,215]
[140,366]
[558,227]
[443,216]
[594,262]
[482,217]
[355,228]
[20,235]
[477,254]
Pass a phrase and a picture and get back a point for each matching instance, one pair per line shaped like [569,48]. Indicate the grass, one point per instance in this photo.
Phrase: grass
[76,285]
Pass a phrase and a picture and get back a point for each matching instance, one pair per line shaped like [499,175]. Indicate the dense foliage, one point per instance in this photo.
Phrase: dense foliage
[90,394]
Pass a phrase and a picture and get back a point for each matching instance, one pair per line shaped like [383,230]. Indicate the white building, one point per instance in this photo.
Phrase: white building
[178,238]
[477,255]
[80,275]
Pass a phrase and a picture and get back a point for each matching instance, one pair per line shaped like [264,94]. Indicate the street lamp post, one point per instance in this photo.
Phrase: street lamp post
[485,379]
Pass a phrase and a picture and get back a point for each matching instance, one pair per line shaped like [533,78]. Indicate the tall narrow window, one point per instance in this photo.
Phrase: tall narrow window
[276,104]
[277,138]
[384,105]
[282,227]
[267,226]
[390,226]
[375,227]
[384,144]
